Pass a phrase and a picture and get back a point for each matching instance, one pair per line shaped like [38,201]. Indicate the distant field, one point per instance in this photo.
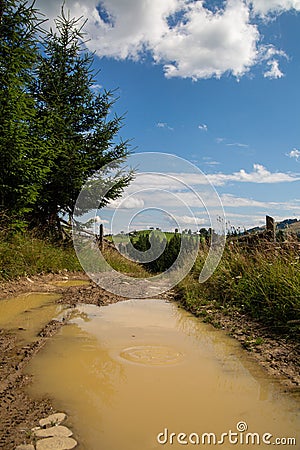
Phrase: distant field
[118,238]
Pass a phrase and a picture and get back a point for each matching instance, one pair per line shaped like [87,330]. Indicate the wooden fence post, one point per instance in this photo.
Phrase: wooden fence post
[270,226]
[101,236]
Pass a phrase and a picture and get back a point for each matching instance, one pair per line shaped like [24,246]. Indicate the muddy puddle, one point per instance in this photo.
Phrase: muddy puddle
[28,313]
[132,373]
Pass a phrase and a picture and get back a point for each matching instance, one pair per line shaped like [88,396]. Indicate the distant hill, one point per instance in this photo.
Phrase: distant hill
[287,224]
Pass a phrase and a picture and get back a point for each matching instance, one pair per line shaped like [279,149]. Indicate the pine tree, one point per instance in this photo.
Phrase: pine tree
[22,168]
[74,122]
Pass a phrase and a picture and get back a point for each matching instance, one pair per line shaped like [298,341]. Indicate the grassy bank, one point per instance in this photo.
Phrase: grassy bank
[263,283]
[22,254]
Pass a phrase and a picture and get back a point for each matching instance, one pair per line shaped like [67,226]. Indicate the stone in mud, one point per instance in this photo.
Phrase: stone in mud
[53,419]
[59,431]
[56,443]
[25,447]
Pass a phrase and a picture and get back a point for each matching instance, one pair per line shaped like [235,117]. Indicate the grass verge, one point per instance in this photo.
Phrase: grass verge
[22,255]
[263,283]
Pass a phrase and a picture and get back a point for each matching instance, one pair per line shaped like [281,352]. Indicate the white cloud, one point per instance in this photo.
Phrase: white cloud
[191,220]
[208,44]
[264,7]
[274,72]
[203,127]
[259,175]
[164,125]
[96,87]
[98,219]
[188,39]
[127,203]
[179,182]
[237,144]
[212,163]
[294,154]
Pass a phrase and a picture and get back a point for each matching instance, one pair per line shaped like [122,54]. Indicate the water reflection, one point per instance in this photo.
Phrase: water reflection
[28,313]
[115,403]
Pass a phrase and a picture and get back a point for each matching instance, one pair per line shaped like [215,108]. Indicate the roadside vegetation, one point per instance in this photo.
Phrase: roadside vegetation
[23,254]
[262,283]
[56,129]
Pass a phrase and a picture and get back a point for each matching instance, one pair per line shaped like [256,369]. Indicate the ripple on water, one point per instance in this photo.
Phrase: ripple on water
[151,355]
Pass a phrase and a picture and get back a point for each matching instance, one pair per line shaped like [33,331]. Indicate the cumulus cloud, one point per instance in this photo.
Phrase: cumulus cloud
[295,153]
[186,37]
[208,44]
[264,7]
[259,175]
[127,203]
[180,183]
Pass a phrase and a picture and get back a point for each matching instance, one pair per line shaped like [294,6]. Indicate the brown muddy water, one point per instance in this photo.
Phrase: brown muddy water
[132,373]
[28,313]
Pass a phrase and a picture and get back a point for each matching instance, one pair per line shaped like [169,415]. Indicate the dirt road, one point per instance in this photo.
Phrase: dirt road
[19,413]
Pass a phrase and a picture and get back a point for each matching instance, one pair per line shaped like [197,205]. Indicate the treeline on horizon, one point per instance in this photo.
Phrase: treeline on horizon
[56,129]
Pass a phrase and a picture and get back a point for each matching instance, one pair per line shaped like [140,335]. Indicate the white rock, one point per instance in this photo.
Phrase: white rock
[58,430]
[53,419]
[56,443]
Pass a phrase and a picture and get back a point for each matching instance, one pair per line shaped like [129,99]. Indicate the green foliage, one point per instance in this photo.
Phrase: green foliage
[162,252]
[124,265]
[23,255]
[55,130]
[263,283]
[22,167]
[73,121]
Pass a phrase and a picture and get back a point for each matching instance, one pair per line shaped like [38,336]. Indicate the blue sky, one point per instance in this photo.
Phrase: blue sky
[215,83]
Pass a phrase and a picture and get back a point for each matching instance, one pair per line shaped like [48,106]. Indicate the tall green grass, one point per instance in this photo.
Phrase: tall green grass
[22,254]
[124,265]
[263,283]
